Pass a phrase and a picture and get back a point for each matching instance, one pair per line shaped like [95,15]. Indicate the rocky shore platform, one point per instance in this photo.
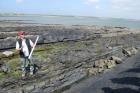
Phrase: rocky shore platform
[65,54]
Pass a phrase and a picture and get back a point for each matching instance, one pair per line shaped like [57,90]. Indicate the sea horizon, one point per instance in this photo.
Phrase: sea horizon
[35,14]
[71,20]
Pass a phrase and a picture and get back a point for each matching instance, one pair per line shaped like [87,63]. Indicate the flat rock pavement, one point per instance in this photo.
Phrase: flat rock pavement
[124,78]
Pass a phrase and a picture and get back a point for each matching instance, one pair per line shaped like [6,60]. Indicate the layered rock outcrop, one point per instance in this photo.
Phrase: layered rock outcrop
[66,54]
[59,33]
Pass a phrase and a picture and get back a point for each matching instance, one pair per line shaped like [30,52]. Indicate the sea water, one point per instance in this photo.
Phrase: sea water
[74,20]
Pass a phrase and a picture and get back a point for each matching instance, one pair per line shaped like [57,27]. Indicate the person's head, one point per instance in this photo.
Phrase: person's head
[20,34]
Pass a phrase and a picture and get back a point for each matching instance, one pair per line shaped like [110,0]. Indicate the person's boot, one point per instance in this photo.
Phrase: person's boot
[31,73]
[23,74]
[31,70]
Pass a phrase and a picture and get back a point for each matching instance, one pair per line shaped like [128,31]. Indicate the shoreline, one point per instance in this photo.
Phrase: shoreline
[16,23]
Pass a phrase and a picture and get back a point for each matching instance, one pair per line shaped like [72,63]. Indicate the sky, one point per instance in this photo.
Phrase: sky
[98,8]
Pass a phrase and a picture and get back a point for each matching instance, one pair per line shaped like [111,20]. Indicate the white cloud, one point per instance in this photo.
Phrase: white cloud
[115,8]
[89,2]
[19,1]
[92,1]
[97,7]
[125,8]
[126,4]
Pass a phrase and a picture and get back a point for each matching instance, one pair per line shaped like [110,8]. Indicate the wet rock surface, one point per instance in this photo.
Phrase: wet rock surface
[122,79]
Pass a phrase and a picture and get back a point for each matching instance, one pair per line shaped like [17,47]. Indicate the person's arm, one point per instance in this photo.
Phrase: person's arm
[17,46]
[31,43]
